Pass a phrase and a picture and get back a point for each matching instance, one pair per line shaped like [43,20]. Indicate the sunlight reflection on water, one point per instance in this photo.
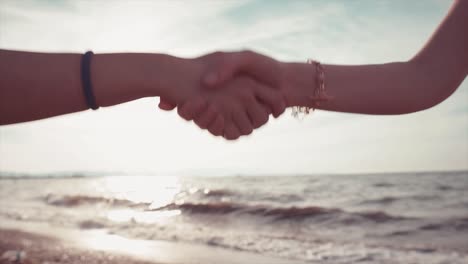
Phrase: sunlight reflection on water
[157,191]
[102,241]
[127,215]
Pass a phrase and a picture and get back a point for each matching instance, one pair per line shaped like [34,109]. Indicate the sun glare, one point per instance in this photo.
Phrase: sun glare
[156,191]
[153,192]
[127,215]
[102,241]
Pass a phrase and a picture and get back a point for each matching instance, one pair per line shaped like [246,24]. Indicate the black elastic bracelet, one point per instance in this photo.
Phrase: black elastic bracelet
[86,80]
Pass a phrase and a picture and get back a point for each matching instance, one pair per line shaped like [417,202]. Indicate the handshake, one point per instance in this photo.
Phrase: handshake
[227,93]
[232,93]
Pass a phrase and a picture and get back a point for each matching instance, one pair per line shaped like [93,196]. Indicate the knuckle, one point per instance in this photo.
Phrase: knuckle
[215,128]
[201,123]
[279,108]
[215,131]
[276,96]
[246,97]
[200,105]
[231,133]
[280,111]
[251,83]
[264,119]
[257,123]
[211,111]
[247,52]
[183,113]
[218,54]
[234,136]
[227,133]
[247,130]
[247,55]
[208,119]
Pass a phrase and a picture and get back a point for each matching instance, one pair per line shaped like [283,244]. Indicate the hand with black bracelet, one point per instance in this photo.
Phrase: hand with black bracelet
[41,85]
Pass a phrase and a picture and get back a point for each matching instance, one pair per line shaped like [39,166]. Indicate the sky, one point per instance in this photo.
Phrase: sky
[136,137]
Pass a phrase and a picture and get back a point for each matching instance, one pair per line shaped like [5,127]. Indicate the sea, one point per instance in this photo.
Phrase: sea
[345,218]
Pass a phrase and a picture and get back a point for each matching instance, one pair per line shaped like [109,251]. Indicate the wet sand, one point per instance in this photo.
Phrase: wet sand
[21,247]
[43,244]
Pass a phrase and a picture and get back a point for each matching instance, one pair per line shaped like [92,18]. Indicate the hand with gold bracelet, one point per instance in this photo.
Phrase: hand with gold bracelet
[422,82]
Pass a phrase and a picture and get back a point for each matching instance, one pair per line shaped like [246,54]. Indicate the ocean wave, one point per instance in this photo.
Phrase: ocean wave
[78,200]
[283,198]
[450,225]
[283,213]
[221,194]
[392,199]
[443,187]
[454,224]
[384,200]
[217,193]
[91,224]
[383,185]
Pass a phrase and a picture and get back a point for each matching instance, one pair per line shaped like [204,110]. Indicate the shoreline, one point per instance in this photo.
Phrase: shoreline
[17,246]
[42,243]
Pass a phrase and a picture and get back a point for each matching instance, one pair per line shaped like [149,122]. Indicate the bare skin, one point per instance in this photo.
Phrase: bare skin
[38,85]
[431,76]
[41,85]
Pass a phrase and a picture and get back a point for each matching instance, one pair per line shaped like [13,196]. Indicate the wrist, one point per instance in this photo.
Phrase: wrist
[156,75]
[123,77]
[300,84]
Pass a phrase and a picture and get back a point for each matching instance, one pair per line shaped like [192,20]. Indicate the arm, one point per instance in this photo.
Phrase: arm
[40,85]
[393,88]
[400,87]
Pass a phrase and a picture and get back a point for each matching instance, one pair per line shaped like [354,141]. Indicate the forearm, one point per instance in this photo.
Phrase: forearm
[393,88]
[40,85]
[123,77]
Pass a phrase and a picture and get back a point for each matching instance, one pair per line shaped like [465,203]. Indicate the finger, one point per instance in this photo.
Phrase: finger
[211,79]
[230,131]
[224,69]
[192,108]
[322,98]
[261,67]
[206,117]
[166,105]
[258,115]
[217,126]
[242,122]
[271,98]
[224,72]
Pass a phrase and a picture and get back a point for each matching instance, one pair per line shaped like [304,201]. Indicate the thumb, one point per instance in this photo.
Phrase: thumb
[260,67]
[223,73]
[166,105]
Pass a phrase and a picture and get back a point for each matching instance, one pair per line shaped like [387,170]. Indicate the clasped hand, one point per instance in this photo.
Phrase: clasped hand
[228,94]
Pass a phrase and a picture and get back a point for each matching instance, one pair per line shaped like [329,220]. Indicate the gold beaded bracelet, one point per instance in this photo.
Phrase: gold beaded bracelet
[319,92]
